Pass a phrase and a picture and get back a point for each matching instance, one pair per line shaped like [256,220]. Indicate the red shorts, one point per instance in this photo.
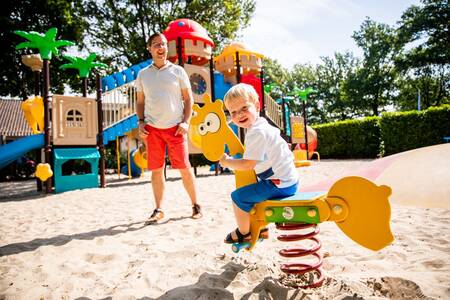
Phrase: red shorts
[177,146]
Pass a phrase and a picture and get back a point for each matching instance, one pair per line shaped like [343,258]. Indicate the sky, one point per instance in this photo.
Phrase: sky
[301,31]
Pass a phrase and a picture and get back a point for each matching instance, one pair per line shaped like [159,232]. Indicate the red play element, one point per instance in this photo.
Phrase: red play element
[187,29]
[312,251]
[256,83]
[312,146]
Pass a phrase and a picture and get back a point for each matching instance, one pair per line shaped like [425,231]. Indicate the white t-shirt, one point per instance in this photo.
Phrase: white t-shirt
[163,106]
[264,144]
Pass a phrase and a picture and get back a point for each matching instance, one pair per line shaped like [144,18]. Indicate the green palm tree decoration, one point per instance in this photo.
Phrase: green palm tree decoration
[302,94]
[269,87]
[84,65]
[46,43]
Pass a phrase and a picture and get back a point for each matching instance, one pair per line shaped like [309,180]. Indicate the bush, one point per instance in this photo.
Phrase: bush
[349,139]
[402,131]
[381,136]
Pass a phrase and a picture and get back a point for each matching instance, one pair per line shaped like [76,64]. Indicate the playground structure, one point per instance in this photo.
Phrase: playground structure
[190,47]
[74,134]
[357,205]
[111,116]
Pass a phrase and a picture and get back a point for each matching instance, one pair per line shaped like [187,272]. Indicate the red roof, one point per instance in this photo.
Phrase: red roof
[187,29]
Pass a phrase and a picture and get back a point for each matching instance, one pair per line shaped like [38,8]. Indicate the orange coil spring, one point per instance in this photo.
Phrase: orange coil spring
[302,268]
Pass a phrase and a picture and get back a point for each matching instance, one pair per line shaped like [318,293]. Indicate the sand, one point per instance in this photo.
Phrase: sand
[92,244]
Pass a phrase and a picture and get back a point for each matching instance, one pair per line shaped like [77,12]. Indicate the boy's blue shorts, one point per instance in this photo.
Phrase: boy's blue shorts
[247,196]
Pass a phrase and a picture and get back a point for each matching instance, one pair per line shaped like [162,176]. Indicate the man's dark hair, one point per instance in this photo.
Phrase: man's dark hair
[152,37]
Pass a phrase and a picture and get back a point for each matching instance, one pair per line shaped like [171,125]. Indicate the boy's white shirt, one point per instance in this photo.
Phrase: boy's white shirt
[264,144]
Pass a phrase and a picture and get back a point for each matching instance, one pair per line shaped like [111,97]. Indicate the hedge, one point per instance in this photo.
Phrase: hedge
[391,133]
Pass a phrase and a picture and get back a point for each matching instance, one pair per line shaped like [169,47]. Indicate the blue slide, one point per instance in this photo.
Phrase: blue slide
[12,151]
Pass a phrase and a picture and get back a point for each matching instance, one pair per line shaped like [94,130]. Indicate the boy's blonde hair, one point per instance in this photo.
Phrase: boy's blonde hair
[242,91]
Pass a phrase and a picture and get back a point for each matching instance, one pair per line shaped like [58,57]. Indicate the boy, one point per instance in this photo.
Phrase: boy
[265,151]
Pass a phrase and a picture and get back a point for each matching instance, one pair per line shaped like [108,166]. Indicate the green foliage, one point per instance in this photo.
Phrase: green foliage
[391,133]
[275,75]
[111,156]
[122,27]
[332,79]
[303,76]
[38,16]
[349,139]
[423,35]
[402,131]
[428,24]
[432,83]
[372,83]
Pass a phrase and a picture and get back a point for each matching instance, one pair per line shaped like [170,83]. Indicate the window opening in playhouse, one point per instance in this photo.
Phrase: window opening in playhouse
[74,119]
[76,167]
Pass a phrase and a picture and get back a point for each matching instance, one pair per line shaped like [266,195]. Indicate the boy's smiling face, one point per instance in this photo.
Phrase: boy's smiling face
[243,112]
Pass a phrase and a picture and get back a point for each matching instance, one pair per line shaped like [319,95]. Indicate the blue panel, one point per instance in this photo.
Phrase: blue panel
[134,121]
[129,75]
[105,138]
[108,83]
[111,134]
[119,77]
[136,69]
[119,130]
[126,125]
[220,86]
[11,151]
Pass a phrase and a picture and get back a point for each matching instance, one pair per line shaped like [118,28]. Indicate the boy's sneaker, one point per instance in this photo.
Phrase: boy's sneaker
[156,216]
[196,211]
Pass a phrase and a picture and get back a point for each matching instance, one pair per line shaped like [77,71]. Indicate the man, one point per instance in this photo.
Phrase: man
[164,108]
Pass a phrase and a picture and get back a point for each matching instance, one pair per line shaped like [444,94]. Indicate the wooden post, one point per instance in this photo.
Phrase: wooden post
[47,138]
[37,92]
[211,75]
[101,147]
[238,68]
[263,108]
[85,86]
[283,117]
[238,79]
[179,52]
[305,123]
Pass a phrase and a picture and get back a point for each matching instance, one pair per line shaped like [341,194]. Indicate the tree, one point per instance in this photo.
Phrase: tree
[120,28]
[275,74]
[425,65]
[429,83]
[372,85]
[304,76]
[39,16]
[429,25]
[332,77]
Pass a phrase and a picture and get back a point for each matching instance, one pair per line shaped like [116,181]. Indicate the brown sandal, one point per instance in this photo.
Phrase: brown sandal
[263,234]
[156,216]
[196,211]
